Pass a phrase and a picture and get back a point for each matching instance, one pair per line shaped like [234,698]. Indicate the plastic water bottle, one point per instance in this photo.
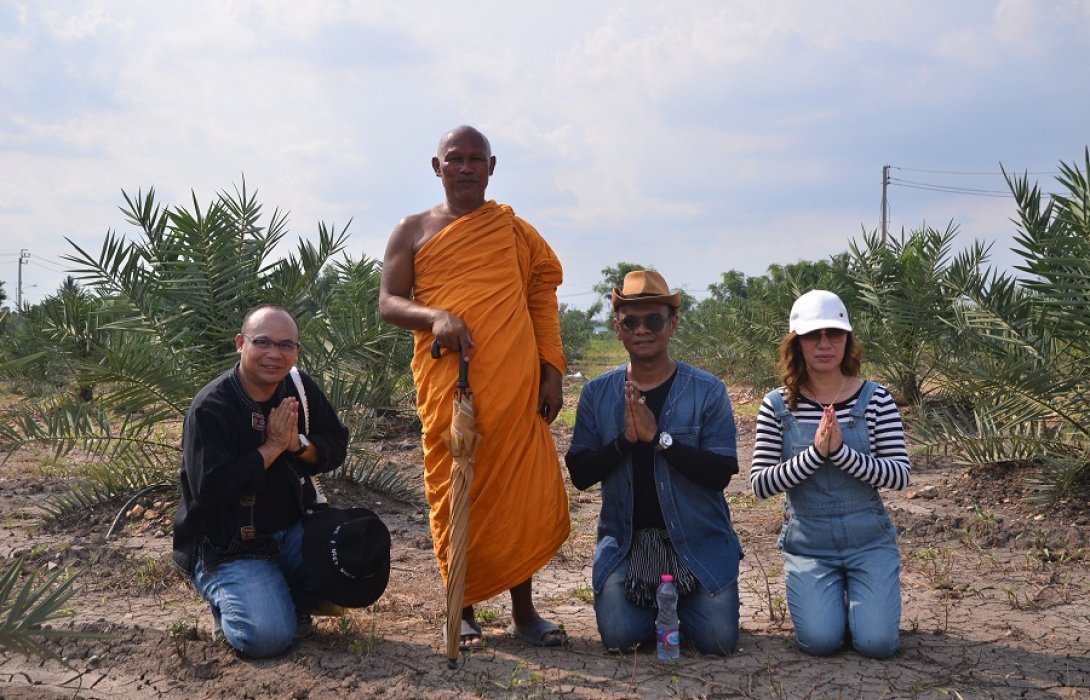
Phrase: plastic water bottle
[666,627]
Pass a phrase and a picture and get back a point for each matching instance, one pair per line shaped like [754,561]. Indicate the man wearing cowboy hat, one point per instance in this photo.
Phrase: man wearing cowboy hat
[659,436]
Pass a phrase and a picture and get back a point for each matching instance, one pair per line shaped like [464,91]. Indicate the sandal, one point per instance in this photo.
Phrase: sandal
[539,633]
[465,634]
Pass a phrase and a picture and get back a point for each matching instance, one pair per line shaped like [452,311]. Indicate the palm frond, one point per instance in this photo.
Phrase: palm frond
[385,477]
[26,611]
[110,482]
[67,423]
[980,436]
[1060,478]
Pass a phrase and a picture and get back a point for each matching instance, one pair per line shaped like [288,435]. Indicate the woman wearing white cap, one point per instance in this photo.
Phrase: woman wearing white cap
[830,440]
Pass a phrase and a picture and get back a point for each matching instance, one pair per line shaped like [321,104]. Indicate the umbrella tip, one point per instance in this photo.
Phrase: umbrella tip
[452,664]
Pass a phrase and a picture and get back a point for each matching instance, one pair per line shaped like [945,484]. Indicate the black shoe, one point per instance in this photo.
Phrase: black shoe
[304,625]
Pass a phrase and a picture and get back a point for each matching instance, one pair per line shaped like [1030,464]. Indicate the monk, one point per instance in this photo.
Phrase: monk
[482,282]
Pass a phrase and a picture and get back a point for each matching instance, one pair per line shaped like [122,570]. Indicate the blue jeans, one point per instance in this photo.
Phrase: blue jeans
[252,598]
[849,583]
[708,622]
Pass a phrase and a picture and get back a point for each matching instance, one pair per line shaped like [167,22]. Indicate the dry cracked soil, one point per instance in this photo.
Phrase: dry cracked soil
[995,606]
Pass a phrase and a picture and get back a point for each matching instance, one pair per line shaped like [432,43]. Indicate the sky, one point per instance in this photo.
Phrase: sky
[695,138]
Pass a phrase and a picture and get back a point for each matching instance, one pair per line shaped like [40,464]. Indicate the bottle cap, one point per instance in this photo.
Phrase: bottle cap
[667,577]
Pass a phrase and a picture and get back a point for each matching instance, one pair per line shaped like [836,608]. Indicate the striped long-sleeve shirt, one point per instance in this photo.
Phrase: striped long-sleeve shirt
[887,466]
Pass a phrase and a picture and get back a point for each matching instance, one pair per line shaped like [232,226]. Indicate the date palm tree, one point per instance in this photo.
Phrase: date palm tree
[1022,389]
[736,331]
[165,307]
[905,286]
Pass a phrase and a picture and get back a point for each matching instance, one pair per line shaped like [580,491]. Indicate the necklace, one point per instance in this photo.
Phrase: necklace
[843,379]
[654,381]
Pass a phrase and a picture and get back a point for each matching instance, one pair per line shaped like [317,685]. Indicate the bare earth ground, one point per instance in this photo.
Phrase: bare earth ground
[995,606]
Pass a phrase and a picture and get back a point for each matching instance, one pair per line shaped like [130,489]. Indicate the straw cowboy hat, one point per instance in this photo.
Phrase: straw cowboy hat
[645,286]
[347,555]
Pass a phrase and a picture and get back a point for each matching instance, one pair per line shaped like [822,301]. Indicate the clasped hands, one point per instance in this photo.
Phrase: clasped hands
[639,422]
[281,427]
[828,439]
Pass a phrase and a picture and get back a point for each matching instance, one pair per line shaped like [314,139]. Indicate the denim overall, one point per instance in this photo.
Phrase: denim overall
[841,563]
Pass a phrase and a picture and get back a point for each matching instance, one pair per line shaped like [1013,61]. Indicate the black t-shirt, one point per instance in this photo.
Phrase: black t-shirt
[646,510]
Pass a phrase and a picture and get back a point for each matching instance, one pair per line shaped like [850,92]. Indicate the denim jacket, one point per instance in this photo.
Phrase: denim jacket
[697,412]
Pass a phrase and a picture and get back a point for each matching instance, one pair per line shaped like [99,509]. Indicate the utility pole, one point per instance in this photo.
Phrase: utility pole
[885,202]
[23,255]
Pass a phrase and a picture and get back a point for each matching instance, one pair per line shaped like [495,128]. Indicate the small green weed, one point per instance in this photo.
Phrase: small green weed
[180,633]
[1046,555]
[53,467]
[1017,599]
[360,636]
[776,603]
[153,575]
[524,682]
[983,516]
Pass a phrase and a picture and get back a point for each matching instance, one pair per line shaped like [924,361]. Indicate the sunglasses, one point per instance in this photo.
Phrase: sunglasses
[652,322]
[262,343]
[834,335]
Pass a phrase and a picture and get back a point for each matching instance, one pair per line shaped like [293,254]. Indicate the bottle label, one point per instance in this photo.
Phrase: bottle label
[669,637]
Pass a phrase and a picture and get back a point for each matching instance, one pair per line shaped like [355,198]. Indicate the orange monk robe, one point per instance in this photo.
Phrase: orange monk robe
[497,274]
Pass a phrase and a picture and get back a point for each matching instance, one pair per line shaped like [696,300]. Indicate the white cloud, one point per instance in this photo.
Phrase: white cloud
[85,22]
[739,133]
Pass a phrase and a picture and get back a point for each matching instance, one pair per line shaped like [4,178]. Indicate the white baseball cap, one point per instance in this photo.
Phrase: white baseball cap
[818,309]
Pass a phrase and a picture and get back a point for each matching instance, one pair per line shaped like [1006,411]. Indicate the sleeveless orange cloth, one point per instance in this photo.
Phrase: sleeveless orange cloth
[496,273]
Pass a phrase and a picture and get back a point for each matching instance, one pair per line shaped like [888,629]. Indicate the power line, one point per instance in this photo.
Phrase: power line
[46,263]
[953,189]
[946,188]
[52,267]
[968,172]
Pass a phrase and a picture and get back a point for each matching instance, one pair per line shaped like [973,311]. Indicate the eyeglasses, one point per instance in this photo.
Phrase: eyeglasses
[833,335]
[652,322]
[262,343]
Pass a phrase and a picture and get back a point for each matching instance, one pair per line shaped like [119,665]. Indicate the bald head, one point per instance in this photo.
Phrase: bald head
[460,131]
[256,316]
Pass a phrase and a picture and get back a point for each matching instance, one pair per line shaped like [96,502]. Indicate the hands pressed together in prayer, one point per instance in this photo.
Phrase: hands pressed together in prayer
[828,439]
[639,422]
[281,430]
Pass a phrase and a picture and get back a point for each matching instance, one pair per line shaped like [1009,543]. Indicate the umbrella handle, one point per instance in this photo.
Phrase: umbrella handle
[463,364]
